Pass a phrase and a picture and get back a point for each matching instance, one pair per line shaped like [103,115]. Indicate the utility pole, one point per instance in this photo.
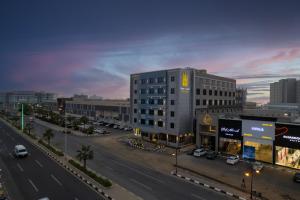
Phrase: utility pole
[22,117]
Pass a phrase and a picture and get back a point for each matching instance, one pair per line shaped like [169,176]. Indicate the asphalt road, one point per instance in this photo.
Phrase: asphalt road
[37,175]
[146,183]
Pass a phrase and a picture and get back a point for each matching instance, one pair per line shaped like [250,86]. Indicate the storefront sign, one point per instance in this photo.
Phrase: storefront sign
[230,128]
[258,129]
[287,135]
[185,88]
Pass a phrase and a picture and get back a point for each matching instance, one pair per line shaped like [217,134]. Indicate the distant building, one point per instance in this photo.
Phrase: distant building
[285,91]
[10,101]
[164,103]
[109,111]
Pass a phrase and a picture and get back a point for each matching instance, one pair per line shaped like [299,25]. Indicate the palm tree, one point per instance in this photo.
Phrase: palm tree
[84,154]
[48,135]
[84,120]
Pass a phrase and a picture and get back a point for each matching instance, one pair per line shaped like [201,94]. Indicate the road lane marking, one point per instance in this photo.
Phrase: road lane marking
[197,197]
[32,184]
[56,180]
[141,184]
[38,163]
[138,171]
[19,166]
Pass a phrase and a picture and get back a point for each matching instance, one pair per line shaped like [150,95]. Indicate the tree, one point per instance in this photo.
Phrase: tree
[84,154]
[84,120]
[90,130]
[28,127]
[48,135]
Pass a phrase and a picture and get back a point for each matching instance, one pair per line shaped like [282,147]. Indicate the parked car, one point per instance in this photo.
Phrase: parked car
[257,166]
[296,177]
[20,151]
[232,160]
[99,131]
[211,155]
[191,152]
[107,125]
[199,152]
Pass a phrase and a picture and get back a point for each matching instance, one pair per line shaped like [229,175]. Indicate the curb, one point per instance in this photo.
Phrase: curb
[208,186]
[65,166]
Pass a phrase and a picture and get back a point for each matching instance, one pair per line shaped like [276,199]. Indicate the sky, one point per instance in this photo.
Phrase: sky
[92,46]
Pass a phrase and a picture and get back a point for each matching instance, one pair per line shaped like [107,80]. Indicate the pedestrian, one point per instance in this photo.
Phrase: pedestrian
[243,185]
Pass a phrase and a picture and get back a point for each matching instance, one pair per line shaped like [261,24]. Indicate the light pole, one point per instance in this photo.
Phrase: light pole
[175,154]
[251,183]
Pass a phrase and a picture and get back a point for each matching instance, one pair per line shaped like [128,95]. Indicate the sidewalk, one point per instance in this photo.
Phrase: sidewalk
[115,192]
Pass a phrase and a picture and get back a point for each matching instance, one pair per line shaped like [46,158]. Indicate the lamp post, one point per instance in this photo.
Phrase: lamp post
[251,183]
[176,154]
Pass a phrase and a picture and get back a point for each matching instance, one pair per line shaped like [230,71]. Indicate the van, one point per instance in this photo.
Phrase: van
[20,151]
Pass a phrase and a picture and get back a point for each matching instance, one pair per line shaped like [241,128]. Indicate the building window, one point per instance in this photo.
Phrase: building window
[210,92]
[172,102]
[172,125]
[143,121]
[160,90]
[225,102]
[229,102]
[134,120]
[220,103]
[151,101]
[151,112]
[198,91]
[143,81]
[225,93]
[216,92]
[230,94]
[143,101]
[197,102]
[135,91]
[160,123]
[143,111]
[216,102]
[172,78]
[172,113]
[172,90]
[210,102]
[204,102]
[151,122]
[160,112]
[135,101]
[135,82]
[160,101]
[135,110]
[204,91]
[151,80]
[233,94]
[151,91]
[221,93]
[143,91]
[160,79]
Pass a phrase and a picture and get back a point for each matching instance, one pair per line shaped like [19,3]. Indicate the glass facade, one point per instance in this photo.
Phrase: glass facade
[230,146]
[260,152]
[287,157]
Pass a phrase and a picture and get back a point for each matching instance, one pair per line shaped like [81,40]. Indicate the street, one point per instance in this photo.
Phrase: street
[37,176]
[145,182]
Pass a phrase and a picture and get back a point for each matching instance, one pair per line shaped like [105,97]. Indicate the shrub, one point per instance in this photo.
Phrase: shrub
[103,181]
[51,148]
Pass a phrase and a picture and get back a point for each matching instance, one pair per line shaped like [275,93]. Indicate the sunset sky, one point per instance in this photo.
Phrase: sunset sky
[92,47]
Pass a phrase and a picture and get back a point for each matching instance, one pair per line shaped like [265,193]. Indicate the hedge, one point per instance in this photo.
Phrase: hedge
[51,148]
[103,181]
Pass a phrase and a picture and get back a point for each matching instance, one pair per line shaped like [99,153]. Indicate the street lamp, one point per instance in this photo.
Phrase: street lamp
[175,154]
[251,174]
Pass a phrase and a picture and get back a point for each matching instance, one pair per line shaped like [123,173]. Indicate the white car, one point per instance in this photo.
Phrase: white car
[257,166]
[232,160]
[20,151]
[199,152]
[107,125]
[99,131]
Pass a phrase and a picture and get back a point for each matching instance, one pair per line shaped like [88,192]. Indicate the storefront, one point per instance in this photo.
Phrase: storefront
[230,136]
[258,137]
[287,145]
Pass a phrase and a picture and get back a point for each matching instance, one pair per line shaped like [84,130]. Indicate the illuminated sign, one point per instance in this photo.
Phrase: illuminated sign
[258,129]
[287,135]
[207,119]
[231,129]
[184,82]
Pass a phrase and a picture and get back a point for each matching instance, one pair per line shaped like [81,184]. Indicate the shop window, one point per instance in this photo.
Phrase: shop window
[287,157]
[258,151]
[172,138]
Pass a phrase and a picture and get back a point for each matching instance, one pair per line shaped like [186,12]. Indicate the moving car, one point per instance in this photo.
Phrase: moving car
[232,160]
[211,155]
[199,152]
[20,151]
[257,166]
[296,177]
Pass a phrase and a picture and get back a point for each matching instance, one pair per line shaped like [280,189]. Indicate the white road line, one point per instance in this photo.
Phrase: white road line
[56,180]
[34,187]
[38,163]
[76,198]
[197,196]
[141,184]
[19,166]
[142,173]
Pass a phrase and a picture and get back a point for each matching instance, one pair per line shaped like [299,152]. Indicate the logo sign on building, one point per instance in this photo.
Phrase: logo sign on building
[287,135]
[231,129]
[258,129]
[184,81]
